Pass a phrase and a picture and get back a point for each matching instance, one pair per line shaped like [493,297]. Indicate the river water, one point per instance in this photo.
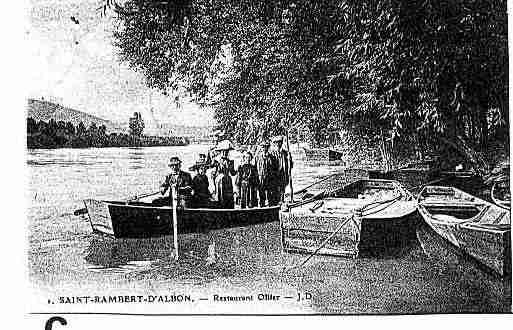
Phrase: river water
[67,260]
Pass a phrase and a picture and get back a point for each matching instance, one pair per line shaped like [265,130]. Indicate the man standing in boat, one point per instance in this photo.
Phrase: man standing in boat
[181,180]
[267,169]
[284,165]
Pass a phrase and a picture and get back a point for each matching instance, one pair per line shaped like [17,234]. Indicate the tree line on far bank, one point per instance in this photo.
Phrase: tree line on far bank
[61,134]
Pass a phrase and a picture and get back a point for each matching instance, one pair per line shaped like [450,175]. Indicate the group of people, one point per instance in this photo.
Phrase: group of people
[259,181]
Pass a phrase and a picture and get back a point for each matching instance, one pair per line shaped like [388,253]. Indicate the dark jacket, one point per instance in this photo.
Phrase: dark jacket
[267,167]
[200,187]
[248,174]
[183,182]
[284,165]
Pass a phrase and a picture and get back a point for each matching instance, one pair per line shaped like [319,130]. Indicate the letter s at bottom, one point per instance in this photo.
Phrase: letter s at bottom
[51,320]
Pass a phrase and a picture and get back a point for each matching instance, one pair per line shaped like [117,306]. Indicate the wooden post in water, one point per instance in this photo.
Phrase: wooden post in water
[174,201]
[289,159]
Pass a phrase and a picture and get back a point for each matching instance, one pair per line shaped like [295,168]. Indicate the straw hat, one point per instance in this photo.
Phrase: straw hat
[224,145]
[277,138]
[197,165]
[265,143]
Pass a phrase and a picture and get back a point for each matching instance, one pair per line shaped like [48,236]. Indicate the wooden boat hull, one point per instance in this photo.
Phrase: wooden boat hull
[301,235]
[141,220]
[476,227]
[305,227]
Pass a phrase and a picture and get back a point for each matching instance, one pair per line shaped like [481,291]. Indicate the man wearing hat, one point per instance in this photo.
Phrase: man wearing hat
[219,136]
[267,169]
[285,164]
[181,180]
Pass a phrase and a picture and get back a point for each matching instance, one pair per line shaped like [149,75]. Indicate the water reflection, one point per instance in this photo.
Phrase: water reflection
[116,253]
[64,162]
[136,158]
[407,279]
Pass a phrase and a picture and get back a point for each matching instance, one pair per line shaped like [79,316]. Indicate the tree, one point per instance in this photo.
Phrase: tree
[136,126]
[31,126]
[81,129]
[423,72]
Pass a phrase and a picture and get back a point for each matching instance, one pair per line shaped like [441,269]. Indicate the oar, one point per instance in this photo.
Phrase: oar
[174,199]
[322,244]
[316,182]
[84,210]
[358,213]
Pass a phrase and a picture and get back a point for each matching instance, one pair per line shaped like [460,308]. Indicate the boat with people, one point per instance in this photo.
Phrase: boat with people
[364,214]
[144,220]
[243,196]
[476,227]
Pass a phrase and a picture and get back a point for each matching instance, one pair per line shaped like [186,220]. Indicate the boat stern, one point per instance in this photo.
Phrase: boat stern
[99,217]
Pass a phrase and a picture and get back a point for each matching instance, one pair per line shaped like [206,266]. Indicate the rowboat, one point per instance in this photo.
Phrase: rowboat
[367,214]
[478,228]
[144,220]
[500,194]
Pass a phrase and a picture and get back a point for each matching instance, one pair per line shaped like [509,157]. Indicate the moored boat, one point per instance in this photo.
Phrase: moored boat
[478,228]
[144,220]
[366,214]
[500,194]
[322,155]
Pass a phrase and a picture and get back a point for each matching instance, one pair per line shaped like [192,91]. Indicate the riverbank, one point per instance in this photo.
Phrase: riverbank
[67,259]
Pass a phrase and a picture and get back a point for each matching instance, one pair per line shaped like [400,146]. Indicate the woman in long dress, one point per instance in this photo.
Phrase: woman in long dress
[225,169]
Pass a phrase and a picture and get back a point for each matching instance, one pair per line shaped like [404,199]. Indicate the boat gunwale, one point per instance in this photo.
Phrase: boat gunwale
[423,206]
[499,202]
[204,209]
[396,184]
[459,222]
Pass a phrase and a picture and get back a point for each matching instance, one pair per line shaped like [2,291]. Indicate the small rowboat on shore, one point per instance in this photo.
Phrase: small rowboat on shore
[385,220]
[478,228]
[144,220]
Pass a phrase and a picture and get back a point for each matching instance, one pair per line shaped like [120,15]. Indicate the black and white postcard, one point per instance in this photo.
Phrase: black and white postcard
[258,157]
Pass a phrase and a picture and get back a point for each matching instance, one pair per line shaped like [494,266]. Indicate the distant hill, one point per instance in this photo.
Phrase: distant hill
[46,110]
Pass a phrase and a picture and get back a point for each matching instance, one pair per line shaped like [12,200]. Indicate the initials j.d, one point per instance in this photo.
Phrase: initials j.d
[51,320]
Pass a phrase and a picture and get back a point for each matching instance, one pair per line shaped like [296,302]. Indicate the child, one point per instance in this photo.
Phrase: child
[247,181]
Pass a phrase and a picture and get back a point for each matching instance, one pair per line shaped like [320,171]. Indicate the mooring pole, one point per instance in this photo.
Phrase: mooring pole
[289,160]
[174,201]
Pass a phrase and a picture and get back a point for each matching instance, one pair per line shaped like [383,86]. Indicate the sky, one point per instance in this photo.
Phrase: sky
[77,65]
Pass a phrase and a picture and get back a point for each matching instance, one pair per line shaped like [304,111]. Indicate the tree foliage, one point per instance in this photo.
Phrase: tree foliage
[136,125]
[414,70]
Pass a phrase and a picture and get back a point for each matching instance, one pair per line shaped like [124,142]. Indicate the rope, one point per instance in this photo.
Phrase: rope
[380,203]
[366,208]
[322,244]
